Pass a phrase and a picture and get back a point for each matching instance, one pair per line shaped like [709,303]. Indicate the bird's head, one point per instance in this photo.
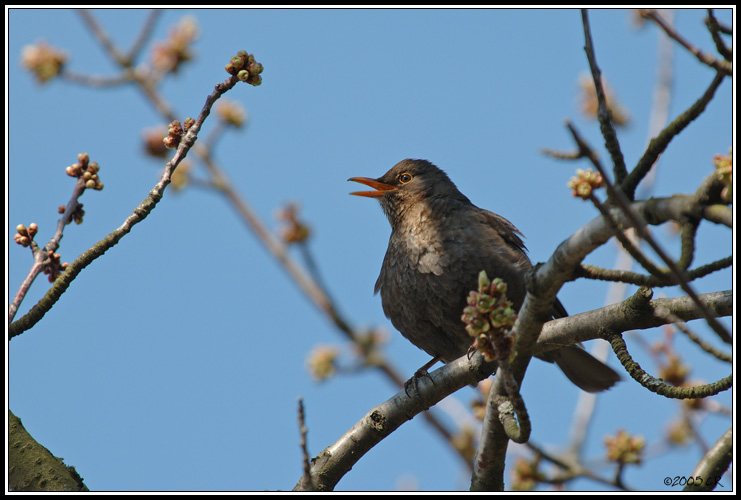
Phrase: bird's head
[407,184]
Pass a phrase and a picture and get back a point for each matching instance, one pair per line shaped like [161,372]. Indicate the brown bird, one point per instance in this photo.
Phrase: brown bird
[439,243]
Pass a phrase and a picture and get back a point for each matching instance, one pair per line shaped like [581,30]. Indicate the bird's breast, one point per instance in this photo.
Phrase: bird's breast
[421,250]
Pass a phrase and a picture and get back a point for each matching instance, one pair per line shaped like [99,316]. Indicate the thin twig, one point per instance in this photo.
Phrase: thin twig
[618,196]
[721,27]
[41,255]
[139,214]
[672,318]
[308,481]
[721,66]
[97,81]
[656,385]
[603,111]
[102,36]
[627,244]
[144,34]
[573,469]
[658,144]
[632,278]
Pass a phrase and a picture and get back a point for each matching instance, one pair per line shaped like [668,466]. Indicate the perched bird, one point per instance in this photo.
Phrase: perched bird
[439,243]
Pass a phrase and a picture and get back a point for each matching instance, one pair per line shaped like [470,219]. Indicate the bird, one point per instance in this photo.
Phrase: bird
[439,243]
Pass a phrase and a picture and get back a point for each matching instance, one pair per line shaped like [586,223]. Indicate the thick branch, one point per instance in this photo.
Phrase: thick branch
[336,460]
[712,466]
[625,316]
[34,468]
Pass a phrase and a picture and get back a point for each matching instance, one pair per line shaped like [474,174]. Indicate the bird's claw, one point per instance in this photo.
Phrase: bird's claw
[413,383]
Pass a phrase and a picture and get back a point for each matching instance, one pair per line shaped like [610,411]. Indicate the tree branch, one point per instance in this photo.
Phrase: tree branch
[139,214]
[658,144]
[719,65]
[543,285]
[713,464]
[603,111]
[336,460]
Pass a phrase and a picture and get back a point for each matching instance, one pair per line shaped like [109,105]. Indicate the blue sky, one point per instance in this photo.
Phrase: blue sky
[175,361]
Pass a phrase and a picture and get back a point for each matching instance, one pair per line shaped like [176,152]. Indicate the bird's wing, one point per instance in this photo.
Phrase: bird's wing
[507,231]
[512,236]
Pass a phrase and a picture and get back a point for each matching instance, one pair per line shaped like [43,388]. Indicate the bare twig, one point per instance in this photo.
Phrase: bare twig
[587,152]
[41,255]
[656,385]
[102,36]
[672,318]
[144,35]
[598,273]
[721,66]
[304,448]
[572,468]
[719,214]
[139,214]
[618,195]
[659,143]
[95,80]
[603,111]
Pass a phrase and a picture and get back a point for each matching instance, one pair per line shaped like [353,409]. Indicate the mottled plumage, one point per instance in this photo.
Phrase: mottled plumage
[439,243]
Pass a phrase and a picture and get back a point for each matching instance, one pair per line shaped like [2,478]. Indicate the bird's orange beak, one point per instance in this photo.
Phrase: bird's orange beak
[380,187]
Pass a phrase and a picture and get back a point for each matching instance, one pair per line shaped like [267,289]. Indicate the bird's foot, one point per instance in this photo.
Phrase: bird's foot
[413,383]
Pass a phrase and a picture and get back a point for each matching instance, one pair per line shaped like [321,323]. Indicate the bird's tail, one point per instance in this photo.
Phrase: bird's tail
[583,369]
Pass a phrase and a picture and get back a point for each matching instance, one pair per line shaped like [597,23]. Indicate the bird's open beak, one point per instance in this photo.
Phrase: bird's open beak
[380,187]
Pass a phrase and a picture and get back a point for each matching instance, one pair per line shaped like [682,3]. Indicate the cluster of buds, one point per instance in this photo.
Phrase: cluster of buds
[175,132]
[489,318]
[181,176]
[167,56]
[231,113]
[153,143]
[585,182]
[295,230]
[24,236]
[87,170]
[478,405]
[724,171]
[624,448]
[54,268]
[321,362]
[674,371]
[43,60]
[464,441]
[368,345]
[244,66]
[680,432]
[77,215]
[590,103]
[525,474]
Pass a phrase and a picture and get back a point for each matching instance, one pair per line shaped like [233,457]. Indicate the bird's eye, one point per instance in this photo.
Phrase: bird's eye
[405,177]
